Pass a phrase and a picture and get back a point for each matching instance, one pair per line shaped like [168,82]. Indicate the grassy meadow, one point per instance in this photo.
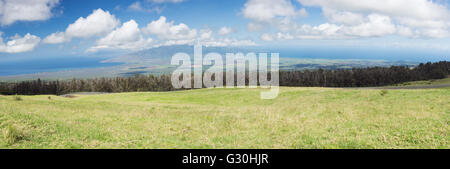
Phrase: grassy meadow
[230,118]
[426,82]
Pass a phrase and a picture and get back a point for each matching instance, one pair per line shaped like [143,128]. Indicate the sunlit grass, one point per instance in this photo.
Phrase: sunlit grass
[426,82]
[231,118]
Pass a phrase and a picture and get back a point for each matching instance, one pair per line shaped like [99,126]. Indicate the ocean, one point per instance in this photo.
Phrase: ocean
[29,66]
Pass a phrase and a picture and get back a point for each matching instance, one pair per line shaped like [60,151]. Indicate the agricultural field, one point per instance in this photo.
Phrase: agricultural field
[299,118]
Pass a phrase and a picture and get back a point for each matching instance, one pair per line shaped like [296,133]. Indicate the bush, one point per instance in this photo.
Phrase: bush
[17,98]
[383,92]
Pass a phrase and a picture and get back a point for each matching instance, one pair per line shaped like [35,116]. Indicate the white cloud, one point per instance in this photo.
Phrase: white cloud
[168,31]
[225,31]
[377,25]
[349,19]
[413,18]
[267,10]
[323,31]
[372,26]
[205,34]
[206,38]
[343,17]
[128,37]
[25,10]
[405,31]
[266,13]
[55,38]
[285,24]
[170,34]
[98,23]
[303,12]
[284,36]
[266,37]
[252,26]
[420,9]
[136,6]
[435,33]
[19,44]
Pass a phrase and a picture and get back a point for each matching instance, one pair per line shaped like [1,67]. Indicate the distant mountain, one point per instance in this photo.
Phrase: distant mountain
[162,55]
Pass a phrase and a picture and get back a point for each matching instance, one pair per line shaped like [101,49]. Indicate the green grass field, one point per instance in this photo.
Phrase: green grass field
[426,82]
[230,118]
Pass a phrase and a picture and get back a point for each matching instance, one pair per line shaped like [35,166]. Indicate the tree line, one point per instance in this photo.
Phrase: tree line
[110,85]
[365,77]
[355,77]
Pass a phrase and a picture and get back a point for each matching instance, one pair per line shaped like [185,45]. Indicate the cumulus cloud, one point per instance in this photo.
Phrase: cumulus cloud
[343,17]
[347,19]
[267,10]
[206,37]
[128,36]
[55,38]
[377,25]
[372,26]
[253,26]
[225,31]
[139,7]
[25,10]
[18,44]
[323,31]
[411,18]
[98,23]
[267,37]
[169,31]
[284,36]
[205,34]
[303,12]
[277,13]
[420,9]
[136,6]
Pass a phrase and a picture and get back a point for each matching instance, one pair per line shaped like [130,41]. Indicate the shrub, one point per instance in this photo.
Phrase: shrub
[17,98]
[383,92]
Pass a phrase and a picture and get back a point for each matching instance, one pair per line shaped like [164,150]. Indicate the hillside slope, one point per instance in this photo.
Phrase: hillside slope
[230,118]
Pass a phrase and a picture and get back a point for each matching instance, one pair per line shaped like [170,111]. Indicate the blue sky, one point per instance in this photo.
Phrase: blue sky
[58,28]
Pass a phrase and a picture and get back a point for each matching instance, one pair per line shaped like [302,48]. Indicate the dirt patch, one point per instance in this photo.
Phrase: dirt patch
[68,96]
